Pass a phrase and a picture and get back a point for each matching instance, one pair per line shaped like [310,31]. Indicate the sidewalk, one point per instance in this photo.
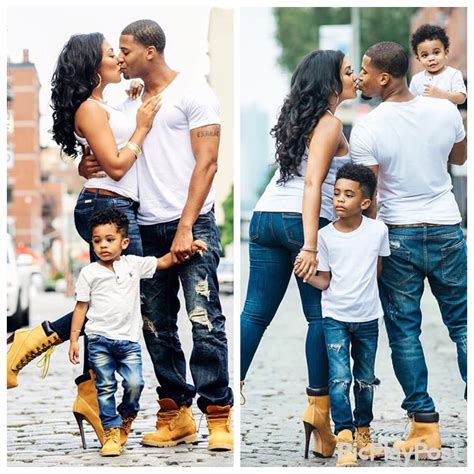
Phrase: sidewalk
[42,431]
[271,427]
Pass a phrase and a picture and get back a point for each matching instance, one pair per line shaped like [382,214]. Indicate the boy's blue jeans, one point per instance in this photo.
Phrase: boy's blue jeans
[358,340]
[275,238]
[160,307]
[107,356]
[439,254]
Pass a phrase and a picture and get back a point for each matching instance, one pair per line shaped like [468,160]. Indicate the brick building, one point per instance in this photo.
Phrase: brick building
[24,200]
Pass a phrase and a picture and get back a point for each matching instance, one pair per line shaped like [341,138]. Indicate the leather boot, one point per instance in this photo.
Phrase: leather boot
[27,344]
[366,449]
[174,425]
[219,424]
[126,427]
[345,449]
[86,406]
[424,440]
[316,420]
[112,446]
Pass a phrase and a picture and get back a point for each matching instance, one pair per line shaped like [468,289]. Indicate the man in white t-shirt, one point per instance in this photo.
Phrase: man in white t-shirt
[175,184]
[408,142]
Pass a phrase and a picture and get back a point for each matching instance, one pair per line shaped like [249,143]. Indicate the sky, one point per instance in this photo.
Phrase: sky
[45,30]
[256,69]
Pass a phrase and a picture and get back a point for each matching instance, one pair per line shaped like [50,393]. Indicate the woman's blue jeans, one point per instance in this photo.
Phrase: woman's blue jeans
[275,238]
[359,341]
[88,203]
[439,254]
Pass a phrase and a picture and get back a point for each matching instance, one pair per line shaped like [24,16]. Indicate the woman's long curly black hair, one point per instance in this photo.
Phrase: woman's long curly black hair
[74,79]
[317,77]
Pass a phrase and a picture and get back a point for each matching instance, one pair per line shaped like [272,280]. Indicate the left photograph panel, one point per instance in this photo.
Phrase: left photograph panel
[120,236]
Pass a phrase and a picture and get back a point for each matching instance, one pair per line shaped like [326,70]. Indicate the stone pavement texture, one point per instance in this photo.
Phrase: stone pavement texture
[271,427]
[41,429]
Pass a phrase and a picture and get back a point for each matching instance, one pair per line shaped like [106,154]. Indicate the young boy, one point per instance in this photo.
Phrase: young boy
[350,251]
[108,294]
[431,46]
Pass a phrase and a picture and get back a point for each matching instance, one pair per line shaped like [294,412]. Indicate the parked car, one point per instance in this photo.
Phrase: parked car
[18,291]
[225,276]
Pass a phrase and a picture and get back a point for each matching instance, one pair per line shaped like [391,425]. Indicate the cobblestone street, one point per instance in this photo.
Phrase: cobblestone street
[43,432]
[271,427]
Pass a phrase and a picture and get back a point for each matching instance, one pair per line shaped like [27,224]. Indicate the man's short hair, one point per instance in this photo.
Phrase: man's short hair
[110,216]
[428,33]
[148,33]
[360,174]
[389,57]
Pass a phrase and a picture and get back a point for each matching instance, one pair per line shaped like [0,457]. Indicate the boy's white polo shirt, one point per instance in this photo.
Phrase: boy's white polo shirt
[114,297]
[351,257]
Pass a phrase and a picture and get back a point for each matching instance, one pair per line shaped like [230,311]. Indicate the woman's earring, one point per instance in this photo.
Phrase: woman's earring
[100,81]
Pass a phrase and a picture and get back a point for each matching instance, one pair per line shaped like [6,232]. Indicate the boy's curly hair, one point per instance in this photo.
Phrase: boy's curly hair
[110,216]
[360,174]
[428,33]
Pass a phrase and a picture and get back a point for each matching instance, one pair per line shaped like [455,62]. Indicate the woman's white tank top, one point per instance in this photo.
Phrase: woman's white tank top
[288,197]
[122,128]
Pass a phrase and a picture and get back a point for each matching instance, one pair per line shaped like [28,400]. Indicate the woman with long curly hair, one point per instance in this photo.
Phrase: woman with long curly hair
[310,148]
[81,117]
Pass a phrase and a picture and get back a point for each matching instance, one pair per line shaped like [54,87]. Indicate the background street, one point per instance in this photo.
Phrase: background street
[42,431]
[271,420]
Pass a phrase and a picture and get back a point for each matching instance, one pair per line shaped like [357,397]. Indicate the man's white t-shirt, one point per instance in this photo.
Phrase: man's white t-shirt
[450,80]
[351,257]
[114,297]
[167,161]
[411,142]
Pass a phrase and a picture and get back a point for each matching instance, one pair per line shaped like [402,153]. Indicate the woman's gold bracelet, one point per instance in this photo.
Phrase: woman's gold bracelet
[134,148]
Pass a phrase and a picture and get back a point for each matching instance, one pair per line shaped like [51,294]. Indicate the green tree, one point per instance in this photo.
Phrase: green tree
[298,29]
[227,228]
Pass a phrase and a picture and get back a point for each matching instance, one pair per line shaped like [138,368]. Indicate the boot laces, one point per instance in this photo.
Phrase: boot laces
[43,363]
[242,396]
[127,422]
[108,435]
[219,419]
[35,353]
[168,417]
[366,437]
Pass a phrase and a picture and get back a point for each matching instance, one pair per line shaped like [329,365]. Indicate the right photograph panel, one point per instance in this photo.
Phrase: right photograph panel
[353,249]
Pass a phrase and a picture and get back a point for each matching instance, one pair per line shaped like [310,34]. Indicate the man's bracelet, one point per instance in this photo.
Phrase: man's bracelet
[306,249]
[76,330]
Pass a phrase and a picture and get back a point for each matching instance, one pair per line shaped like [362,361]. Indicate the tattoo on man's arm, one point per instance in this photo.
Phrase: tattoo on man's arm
[209,133]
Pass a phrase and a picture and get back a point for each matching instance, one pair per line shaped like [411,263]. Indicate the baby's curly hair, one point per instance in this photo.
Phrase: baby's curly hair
[428,33]
[110,216]
[360,174]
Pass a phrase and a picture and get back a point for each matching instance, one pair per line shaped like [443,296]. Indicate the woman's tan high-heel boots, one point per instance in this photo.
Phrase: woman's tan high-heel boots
[86,406]
[316,420]
[26,345]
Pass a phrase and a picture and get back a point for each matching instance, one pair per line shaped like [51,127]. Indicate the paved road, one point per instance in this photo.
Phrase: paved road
[271,428]
[43,432]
